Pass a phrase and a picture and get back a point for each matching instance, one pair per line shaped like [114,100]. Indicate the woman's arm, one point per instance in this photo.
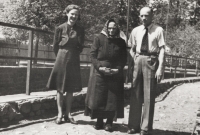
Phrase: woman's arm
[94,53]
[56,40]
[123,57]
[81,39]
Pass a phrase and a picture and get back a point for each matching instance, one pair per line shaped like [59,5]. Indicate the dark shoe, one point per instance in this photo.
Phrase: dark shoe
[98,126]
[132,131]
[58,120]
[71,120]
[144,132]
[108,127]
[198,114]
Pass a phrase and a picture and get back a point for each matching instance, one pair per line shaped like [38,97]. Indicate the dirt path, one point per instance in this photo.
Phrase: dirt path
[175,113]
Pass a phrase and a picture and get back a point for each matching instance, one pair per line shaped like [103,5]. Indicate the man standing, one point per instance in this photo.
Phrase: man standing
[148,47]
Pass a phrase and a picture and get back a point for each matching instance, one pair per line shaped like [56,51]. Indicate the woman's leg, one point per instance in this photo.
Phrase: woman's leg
[108,125]
[68,117]
[100,121]
[99,124]
[109,121]
[69,98]
[60,104]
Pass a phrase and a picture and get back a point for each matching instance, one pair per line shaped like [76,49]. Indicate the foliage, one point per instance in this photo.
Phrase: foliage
[181,20]
[36,14]
[185,42]
[182,27]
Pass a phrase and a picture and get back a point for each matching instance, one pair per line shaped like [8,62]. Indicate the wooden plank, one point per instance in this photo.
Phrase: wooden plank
[33,29]
[29,66]
[25,28]
[24,58]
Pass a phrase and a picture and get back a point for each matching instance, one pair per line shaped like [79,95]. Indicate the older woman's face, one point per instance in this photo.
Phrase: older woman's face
[73,16]
[112,28]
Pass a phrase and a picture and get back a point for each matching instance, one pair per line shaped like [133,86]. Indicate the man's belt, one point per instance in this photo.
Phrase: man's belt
[148,54]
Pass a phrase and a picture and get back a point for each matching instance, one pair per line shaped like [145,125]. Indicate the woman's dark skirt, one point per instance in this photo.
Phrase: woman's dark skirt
[65,75]
[105,96]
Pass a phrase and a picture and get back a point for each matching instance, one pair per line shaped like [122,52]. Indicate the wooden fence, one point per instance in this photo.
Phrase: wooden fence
[173,64]
[30,57]
[184,65]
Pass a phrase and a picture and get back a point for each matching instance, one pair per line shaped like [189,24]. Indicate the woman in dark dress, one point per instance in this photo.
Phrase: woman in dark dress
[65,76]
[105,96]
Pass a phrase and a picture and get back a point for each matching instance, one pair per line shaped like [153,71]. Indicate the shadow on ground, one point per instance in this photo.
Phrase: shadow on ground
[162,132]
[34,120]
[123,128]
[28,121]
[116,127]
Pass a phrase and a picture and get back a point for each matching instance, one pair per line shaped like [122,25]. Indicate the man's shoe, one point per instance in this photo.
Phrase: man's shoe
[132,131]
[108,127]
[144,132]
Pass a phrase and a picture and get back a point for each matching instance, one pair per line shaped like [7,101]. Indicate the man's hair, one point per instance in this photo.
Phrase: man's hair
[151,9]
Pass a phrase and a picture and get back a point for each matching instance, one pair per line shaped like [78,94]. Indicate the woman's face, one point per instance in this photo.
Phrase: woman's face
[112,28]
[73,16]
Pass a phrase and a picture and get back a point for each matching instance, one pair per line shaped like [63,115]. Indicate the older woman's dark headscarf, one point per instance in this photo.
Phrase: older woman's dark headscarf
[105,29]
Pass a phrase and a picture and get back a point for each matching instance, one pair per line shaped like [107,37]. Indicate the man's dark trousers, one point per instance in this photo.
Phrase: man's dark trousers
[144,88]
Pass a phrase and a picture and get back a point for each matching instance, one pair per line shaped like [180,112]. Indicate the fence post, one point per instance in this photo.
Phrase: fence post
[29,64]
[185,67]
[175,67]
[18,46]
[171,70]
[44,48]
[197,66]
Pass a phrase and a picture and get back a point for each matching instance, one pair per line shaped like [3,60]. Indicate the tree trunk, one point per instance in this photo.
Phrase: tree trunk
[36,47]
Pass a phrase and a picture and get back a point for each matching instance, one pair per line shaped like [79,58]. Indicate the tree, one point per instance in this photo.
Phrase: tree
[34,13]
[46,14]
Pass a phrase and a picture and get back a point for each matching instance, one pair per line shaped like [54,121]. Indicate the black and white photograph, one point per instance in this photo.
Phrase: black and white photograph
[99,67]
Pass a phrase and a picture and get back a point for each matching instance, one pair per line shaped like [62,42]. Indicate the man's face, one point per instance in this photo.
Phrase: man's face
[146,16]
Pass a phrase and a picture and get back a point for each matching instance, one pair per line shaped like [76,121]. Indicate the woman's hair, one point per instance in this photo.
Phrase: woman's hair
[72,6]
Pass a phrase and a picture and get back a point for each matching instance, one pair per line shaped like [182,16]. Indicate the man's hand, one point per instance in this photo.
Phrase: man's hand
[158,75]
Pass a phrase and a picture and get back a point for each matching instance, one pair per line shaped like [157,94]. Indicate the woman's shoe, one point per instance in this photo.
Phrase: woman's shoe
[132,131]
[108,127]
[58,120]
[71,120]
[98,126]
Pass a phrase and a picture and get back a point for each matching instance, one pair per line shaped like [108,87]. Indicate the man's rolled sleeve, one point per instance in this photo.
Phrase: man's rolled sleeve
[161,39]
[132,43]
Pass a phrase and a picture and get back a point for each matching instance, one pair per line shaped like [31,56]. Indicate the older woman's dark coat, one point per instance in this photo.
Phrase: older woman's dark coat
[65,75]
[105,95]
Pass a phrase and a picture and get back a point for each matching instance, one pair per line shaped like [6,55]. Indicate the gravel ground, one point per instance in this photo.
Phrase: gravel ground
[175,114]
